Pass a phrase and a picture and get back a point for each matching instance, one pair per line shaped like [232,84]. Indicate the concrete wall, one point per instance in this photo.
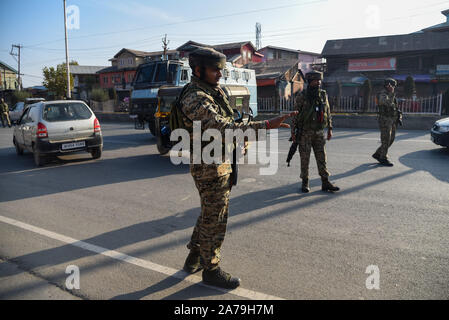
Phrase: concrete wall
[411,122]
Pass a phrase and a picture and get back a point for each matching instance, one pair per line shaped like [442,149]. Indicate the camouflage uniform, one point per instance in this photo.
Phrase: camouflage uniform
[4,110]
[312,124]
[388,115]
[209,105]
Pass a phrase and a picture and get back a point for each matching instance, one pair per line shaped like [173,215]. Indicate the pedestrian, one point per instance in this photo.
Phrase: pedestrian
[389,116]
[4,109]
[203,100]
[313,117]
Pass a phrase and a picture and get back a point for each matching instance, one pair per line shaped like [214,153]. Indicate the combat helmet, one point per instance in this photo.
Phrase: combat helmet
[314,75]
[391,81]
[207,57]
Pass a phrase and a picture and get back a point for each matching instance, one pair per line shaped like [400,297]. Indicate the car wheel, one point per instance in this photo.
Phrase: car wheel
[19,150]
[39,159]
[96,153]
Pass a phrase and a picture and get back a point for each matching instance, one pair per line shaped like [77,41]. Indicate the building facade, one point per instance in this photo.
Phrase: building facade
[423,55]
[8,77]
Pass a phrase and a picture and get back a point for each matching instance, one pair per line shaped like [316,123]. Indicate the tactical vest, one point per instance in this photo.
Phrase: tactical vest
[313,119]
[177,116]
[388,110]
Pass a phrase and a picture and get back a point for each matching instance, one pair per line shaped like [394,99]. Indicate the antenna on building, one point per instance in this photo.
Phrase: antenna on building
[258,36]
[165,47]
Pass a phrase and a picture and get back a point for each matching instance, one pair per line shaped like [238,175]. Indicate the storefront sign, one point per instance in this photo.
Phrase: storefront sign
[377,64]
[442,69]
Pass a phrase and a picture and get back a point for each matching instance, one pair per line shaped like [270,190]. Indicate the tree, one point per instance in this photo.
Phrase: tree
[56,79]
[366,94]
[20,96]
[445,103]
[409,87]
[339,92]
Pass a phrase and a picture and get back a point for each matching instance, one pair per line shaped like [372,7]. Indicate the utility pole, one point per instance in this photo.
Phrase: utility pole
[18,46]
[69,95]
[165,47]
[258,36]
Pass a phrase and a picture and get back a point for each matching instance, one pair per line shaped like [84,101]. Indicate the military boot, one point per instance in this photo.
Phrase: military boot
[305,186]
[386,162]
[193,262]
[219,278]
[376,156]
[328,186]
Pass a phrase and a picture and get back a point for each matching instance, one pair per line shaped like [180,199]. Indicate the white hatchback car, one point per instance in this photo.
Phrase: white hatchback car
[54,128]
[16,111]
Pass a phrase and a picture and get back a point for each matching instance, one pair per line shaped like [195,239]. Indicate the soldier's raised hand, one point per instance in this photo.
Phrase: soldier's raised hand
[278,122]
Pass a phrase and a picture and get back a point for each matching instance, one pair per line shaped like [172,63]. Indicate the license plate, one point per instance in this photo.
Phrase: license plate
[73,145]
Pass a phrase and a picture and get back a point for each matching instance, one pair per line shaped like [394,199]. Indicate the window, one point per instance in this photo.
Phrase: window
[161,72]
[105,79]
[184,75]
[226,73]
[130,61]
[66,112]
[145,74]
[235,74]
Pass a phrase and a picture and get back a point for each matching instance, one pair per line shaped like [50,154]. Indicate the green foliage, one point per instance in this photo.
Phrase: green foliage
[445,103]
[20,96]
[366,91]
[99,95]
[56,79]
[409,87]
[112,94]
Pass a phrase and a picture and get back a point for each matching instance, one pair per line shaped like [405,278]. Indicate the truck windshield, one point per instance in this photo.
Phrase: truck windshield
[145,74]
[157,73]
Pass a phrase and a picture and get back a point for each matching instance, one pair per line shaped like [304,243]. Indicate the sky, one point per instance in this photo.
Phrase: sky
[98,29]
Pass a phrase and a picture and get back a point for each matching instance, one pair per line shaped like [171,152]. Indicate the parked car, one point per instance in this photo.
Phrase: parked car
[55,128]
[440,132]
[16,112]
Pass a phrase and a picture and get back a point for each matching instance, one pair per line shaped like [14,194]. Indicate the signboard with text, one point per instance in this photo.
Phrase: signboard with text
[376,64]
[442,69]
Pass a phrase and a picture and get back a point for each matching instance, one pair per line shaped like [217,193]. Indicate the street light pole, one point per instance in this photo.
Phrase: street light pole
[67,52]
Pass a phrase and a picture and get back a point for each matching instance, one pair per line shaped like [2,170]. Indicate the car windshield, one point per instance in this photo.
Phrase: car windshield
[66,112]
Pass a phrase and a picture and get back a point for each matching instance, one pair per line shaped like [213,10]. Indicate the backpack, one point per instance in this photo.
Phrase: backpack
[176,120]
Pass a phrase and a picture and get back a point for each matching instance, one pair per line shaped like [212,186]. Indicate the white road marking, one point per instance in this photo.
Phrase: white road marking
[178,274]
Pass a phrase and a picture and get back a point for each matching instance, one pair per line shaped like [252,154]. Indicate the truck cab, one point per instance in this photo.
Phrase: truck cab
[149,78]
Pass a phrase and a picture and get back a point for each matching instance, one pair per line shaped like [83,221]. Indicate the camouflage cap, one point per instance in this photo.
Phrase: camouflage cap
[207,57]
[314,75]
[391,81]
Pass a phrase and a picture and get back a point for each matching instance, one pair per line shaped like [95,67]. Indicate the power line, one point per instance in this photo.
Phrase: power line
[189,21]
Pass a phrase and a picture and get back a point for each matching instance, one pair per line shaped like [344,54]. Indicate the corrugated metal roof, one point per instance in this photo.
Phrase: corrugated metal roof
[387,44]
[85,69]
[8,67]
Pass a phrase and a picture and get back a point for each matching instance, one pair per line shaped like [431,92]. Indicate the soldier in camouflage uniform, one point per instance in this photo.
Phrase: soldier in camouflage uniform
[313,117]
[388,117]
[4,110]
[203,100]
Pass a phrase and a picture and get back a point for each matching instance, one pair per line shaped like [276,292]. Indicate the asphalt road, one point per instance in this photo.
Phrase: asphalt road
[124,221]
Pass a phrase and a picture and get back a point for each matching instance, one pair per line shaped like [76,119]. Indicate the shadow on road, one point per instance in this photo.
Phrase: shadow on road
[240,205]
[434,161]
[82,173]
